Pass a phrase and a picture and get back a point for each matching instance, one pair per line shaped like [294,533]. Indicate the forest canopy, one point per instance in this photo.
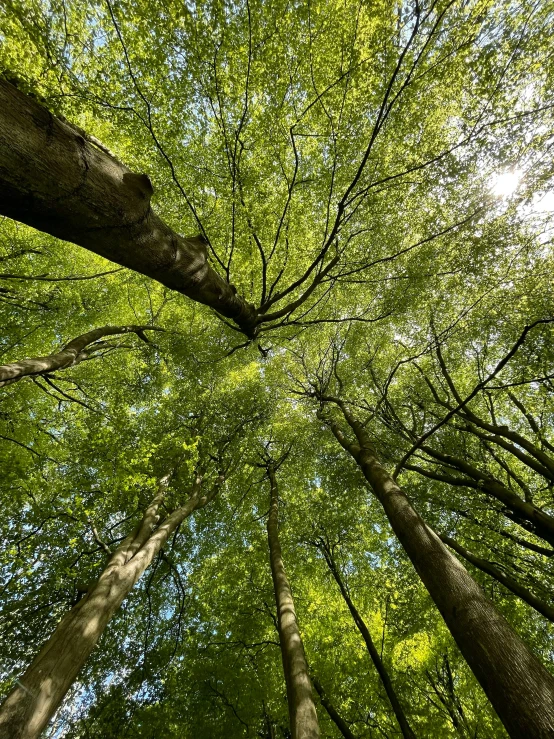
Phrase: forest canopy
[276,394]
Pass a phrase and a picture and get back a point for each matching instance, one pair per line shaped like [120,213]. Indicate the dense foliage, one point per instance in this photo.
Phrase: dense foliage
[353,168]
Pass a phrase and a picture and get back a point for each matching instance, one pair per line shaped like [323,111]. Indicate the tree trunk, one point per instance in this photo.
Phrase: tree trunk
[55,179]
[302,713]
[334,715]
[70,355]
[405,727]
[36,696]
[508,582]
[517,684]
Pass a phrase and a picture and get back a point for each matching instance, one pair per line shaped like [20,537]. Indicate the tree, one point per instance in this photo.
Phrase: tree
[327,549]
[370,189]
[303,717]
[29,707]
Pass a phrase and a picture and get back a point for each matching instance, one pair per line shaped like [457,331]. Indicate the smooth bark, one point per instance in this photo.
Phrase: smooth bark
[508,582]
[38,693]
[405,727]
[57,179]
[302,713]
[68,356]
[334,715]
[520,689]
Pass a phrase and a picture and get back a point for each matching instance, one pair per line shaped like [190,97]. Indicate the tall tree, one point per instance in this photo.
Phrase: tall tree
[31,704]
[371,193]
[325,547]
[303,717]
[484,637]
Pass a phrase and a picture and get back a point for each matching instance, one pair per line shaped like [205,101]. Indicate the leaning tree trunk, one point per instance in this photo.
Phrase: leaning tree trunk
[520,689]
[302,713]
[405,727]
[334,715]
[38,693]
[68,356]
[55,179]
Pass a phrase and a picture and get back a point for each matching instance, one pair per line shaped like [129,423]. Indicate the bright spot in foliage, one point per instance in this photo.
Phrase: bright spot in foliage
[505,184]
[544,203]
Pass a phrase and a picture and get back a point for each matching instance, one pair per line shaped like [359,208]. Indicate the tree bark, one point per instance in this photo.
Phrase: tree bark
[334,715]
[55,179]
[517,684]
[508,582]
[405,727]
[36,696]
[302,713]
[70,355]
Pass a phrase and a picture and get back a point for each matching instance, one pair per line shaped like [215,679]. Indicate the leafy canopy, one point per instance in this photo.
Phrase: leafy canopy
[340,157]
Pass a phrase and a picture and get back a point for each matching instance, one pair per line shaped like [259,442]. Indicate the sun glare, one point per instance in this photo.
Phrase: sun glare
[505,184]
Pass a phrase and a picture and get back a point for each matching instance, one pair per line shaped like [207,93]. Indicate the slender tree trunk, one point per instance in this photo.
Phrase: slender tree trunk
[517,684]
[54,178]
[537,460]
[36,696]
[508,582]
[528,526]
[444,690]
[545,464]
[530,420]
[405,727]
[302,713]
[70,355]
[334,715]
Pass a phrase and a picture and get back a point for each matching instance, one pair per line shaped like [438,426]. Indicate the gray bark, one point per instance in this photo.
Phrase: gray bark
[519,687]
[68,356]
[38,693]
[58,181]
[302,713]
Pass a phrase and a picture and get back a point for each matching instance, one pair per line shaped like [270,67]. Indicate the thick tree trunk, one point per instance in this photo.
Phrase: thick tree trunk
[302,713]
[334,715]
[70,355]
[36,696]
[546,610]
[53,178]
[405,727]
[517,684]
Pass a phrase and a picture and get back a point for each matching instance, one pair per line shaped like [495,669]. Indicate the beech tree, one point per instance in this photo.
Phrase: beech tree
[280,275]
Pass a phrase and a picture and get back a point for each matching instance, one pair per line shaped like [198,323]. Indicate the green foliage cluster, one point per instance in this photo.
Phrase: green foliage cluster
[252,120]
